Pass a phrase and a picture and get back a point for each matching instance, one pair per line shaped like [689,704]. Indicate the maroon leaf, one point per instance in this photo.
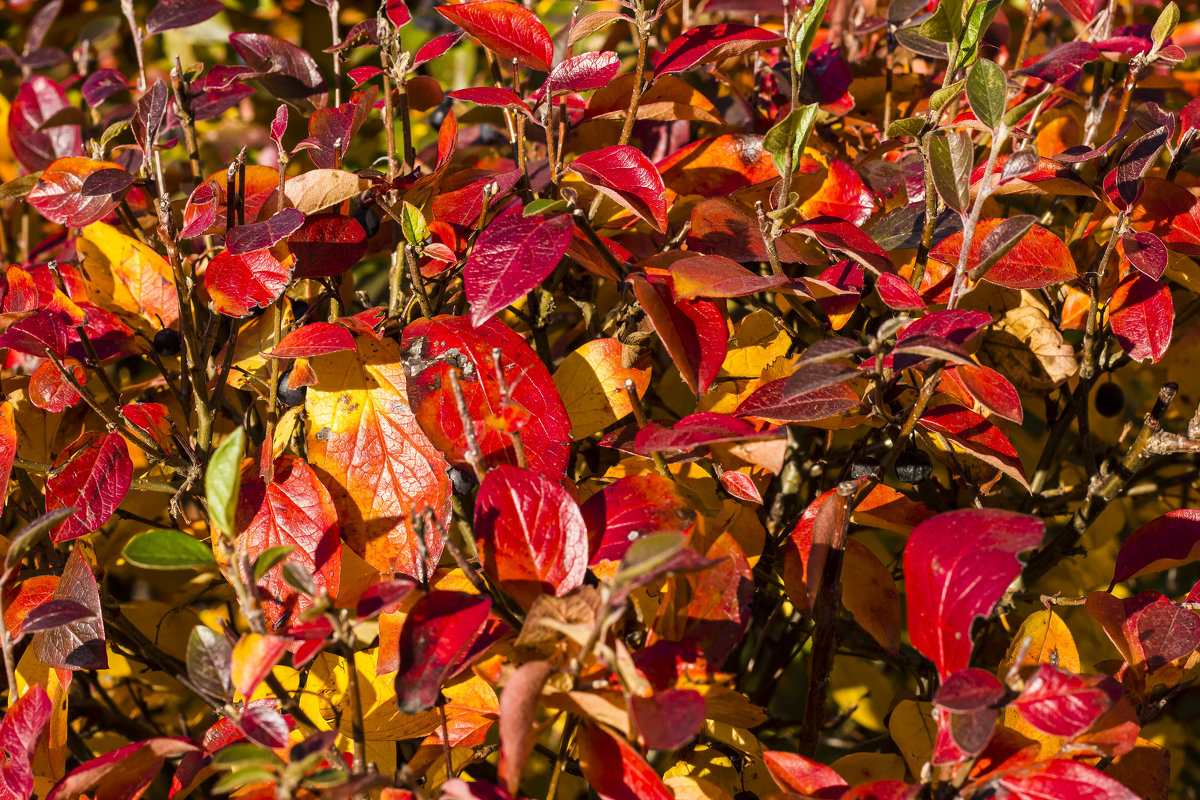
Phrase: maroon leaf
[1171,540]
[238,284]
[148,118]
[1142,314]
[837,234]
[669,719]
[78,644]
[952,578]
[59,195]
[1136,161]
[772,401]
[243,239]
[124,772]
[694,331]
[284,69]
[1162,632]
[991,390]
[1146,252]
[436,637]
[327,245]
[512,256]
[1060,703]
[708,43]
[698,430]
[331,130]
[106,181]
[54,613]
[531,534]
[628,177]
[103,84]
[1063,778]
[314,339]
[264,725]
[977,436]
[171,14]
[509,30]
[38,100]
[93,474]
[19,732]
[967,690]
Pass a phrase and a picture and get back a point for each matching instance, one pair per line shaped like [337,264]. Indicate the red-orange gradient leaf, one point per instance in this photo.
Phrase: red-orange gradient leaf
[1038,260]
[615,770]
[58,196]
[507,29]
[294,509]
[93,474]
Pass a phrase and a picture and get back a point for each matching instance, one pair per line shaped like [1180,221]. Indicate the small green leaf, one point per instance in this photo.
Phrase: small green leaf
[545,205]
[1018,112]
[244,755]
[950,159]
[111,132]
[270,558]
[1164,26]
[19,187]
[909,126]
[414,226]
[648,554]
[987,93]
[793,131]
[29,535]
[299,579]
[806,30]
[223,480]
[945,25]
[981,17]
[166,549]
[243,777]
[943,97]
[326,778]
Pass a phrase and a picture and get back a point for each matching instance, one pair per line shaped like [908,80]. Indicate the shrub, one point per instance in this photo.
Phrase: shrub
[497,400]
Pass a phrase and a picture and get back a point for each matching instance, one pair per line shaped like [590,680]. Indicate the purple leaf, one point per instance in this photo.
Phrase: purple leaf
[171,14]
[105,182]
[1146,252]
[54,613]
[103,84]
[244,239]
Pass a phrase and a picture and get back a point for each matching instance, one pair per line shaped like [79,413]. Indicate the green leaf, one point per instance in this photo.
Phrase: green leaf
[950,159]
[987,93]
[945,25]
[414,226]
[944,96]
[167,549]
[209,657]
[326,778]
[806,30]
[244,755]
[545,205]
[909,126]
[1018,112]
[269,558]
[19,187]
[222,481]
[793,131]
[648,554]
[981,17]
[243,777]
[1164,26]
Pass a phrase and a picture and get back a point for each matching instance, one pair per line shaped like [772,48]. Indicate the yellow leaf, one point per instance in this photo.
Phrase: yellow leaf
[50,758]
[862,691]
[913,730]
[859,768]
[123,273]
[686,787]
[591,382]
[756,342]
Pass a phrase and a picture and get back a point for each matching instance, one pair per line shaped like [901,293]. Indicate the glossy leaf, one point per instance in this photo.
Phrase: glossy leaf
[531,535]
[1059,703]
[436,637]
[991,390]
[1141,313]
[167,549]
[38,101]
[326,245]
[1063,778]
[614,769]
[987,92]
[717,276]
[433,347]
[222,482]
[286,70]
[1168,541]
[238,284]
[243,239]
[20,730]
[509,30]
[314,339]
[694,332]
[172,14]
[628,177]
[631,508]
[1146,252]
[512,256]
[797,774]
[209,662]
[591,384]
[518,719]
[1038,260]
[951,579]
[773,401]
[124,772]
[708,43]
[974,434]
[581,73]
[59,195]
[93,474]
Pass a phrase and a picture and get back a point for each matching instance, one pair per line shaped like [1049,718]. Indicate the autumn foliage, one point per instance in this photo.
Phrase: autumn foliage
[647,400]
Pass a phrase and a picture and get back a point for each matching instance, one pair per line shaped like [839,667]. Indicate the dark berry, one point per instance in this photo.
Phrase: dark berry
[1110,400]
[368,218]
[299,307]
[167,342]
[744,795]
[438,115]
[290,397]
[913,466]
[864,467]
[461,479]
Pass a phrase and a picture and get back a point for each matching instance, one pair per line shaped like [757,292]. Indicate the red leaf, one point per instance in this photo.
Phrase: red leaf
[796,774]
[264,725]
[717,276]
[93,474]
[693,331]
[238,284]
[581,73]
[436,47]
[1146,252]
[19,732]
[1160,632]
[632,507]
[838,234]
[895,292]
[433,346]
[436,637]
[740,485]
[1142,315]
[669,719]
[993,391]
[628,177]
[707,43]
[967,690]
[38,100]
[294,509]
[1169,541]
[124,772]
[518,719]
[512,256]
[1059,703]
[614,769]
[154,419]
[243,239]
[8,444]
[78,644]
[698,430]
[327,245]
[719,611]
[1061,778]
[58,194]
[285,70]
[773,401]
[1038,260]
[951,578]
[842,195]
[49,390]
[490,96]
[313,339]
[531,535]
[507,29]
[976,435]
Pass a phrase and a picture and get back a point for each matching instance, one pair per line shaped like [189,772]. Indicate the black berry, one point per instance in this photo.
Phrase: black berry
[299,307]
[167,342]
[438,115]
[864,467]
[368,218]
[1110,400]
[289,397]
[913,466]
[461,479]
